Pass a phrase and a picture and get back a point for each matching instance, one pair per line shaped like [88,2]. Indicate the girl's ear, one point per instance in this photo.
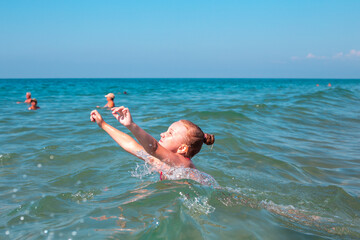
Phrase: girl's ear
[183,149]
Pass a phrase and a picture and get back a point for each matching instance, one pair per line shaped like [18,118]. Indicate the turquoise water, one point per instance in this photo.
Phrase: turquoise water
[286,157]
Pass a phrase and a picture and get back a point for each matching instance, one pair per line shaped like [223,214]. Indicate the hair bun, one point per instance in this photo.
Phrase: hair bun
[209,139]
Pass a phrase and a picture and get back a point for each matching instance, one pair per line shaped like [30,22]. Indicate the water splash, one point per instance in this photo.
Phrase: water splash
[197,205]
[170,173]
[80,196]
[192,174]
[142,170]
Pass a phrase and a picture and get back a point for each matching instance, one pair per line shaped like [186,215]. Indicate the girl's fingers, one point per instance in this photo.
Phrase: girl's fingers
[94,115]
[117,109]
[116,115]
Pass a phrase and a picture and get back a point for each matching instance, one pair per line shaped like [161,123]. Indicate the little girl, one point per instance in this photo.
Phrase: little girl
[182,141]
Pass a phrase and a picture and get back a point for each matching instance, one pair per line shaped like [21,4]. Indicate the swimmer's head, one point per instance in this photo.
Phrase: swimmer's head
[33,102]
[110,96]
[28,95]
[186,138]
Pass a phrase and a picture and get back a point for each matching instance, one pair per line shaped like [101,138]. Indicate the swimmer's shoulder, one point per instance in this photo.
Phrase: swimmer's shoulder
[189,164]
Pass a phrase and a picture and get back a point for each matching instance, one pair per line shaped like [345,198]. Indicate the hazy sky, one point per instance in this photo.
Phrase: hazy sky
[298,38]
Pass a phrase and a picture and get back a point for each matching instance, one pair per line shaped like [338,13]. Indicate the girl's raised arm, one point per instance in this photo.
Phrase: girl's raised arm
[124,140]
[127,142]
[149,143]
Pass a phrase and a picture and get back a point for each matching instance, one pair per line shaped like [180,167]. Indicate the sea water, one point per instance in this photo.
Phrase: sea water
[286,160]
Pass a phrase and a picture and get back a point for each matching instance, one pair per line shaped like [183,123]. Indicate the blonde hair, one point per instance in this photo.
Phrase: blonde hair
[195,138]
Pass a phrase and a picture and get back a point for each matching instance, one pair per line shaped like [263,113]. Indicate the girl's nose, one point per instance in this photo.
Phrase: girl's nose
[162,135]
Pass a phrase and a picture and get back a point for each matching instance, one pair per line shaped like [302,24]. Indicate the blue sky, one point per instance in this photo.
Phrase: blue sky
[244,39]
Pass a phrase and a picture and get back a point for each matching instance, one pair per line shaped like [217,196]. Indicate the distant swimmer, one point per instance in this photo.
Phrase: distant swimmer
[181,142]
[110,98]
[28,98]
[34,105]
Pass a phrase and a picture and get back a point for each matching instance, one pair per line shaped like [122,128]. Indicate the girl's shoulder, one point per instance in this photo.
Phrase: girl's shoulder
[192,165]
[188,163]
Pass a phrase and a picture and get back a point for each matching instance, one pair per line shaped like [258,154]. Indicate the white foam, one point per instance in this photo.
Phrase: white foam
[170,173]
[197,204]
[141,171]
[192,174]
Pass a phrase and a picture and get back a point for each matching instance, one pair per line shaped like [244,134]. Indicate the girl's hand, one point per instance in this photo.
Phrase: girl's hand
[96,117]
[123,115]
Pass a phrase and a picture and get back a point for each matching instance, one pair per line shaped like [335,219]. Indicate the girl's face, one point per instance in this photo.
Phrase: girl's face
[33,104]
[174,137]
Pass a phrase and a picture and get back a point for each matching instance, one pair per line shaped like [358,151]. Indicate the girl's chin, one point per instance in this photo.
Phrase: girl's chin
[162,144]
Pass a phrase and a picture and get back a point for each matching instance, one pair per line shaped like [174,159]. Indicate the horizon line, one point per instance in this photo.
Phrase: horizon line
[305,78]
